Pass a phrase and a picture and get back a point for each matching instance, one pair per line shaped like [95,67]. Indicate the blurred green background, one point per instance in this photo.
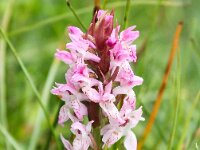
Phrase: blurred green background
[37,27]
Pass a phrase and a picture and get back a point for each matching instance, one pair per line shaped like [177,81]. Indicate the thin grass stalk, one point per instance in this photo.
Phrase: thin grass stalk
[63,16]
[188,121]
[195,136]
[128,4]
[177,104]
[9,138]
[75,15]
[104,4]
[45,97]
[3,102]
[30,80]
[162,87]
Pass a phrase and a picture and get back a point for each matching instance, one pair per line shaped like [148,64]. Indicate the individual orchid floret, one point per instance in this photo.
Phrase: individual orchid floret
[82,140]
[98,90]
[126,77]
[113,132]
[65,56]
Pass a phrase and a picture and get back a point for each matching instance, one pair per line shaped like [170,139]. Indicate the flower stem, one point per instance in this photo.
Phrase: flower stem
[78,19]
[128,4]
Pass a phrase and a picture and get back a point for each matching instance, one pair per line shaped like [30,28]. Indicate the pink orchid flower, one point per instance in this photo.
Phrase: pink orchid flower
[99,84]
[113,132]
[82,140]
[126,77]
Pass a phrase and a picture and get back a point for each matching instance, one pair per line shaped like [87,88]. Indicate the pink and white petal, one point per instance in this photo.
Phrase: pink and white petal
[91,56]
[111,137]
[108,87]
[108,97]
[106,128]
[112,112]
[80,78]
[128,35]
[63,114]
[132,53]
[81,143]
[137,114]
[100,88]
[128,104]
[77,126]
[64,56]
[135,117]
[112,40]
[74,30]
[120,90]
[66,143]
[78,143]
[137,80]
[72,117]
[92,94]
[101,13]
[130,142]
[89,126]
[79,109]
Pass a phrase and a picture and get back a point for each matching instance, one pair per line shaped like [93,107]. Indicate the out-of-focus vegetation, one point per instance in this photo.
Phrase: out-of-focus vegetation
[37,27]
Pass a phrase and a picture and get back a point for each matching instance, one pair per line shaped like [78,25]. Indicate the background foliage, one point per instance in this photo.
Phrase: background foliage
[37,27]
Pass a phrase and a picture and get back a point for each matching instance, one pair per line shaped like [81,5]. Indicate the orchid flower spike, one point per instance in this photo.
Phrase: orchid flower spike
[99,85]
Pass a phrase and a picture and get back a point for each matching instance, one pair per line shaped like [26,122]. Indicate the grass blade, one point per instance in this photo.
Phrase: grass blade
[9,138]
[75,14]
[27,75]
[45,98]
[104,4]
[128,4]
[178,82]
[3,106]
[187,121]
[162,87]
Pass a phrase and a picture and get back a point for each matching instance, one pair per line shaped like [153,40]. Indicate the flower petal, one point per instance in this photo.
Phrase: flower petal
[66,143]
[130,142]
[112,112]
[64,56]
[63,114]
[128,36]
[79,109]
[92,94]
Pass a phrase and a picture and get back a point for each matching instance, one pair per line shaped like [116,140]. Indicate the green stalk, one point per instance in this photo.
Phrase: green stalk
[194,136]
[104,4]
[187,121]
[128,4]
[30,80]
[3,105]
[45,98]
[178,83]
[9,138]
[75,14]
